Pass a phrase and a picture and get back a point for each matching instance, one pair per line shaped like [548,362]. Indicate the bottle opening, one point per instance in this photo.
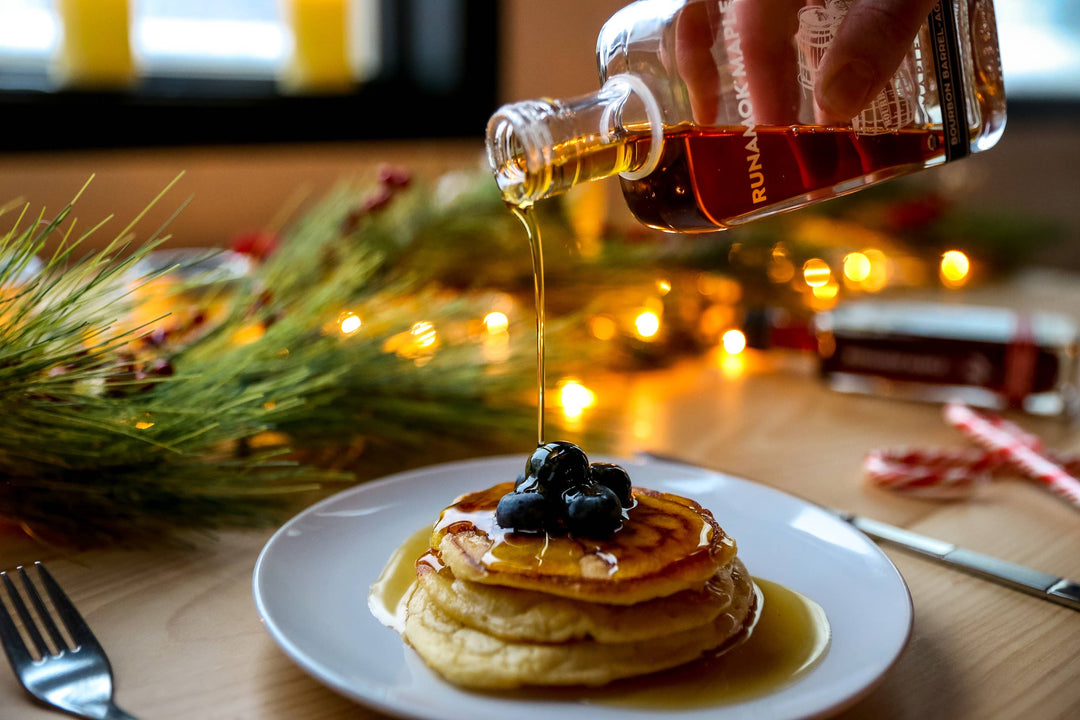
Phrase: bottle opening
[541,148]
[519,147]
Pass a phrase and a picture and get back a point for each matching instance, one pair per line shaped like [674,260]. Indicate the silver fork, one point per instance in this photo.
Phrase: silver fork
[76,678]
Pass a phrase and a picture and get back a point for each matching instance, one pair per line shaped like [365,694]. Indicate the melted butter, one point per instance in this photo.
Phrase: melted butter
[657,530]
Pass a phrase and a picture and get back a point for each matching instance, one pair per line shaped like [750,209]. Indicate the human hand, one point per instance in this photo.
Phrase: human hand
[870,44]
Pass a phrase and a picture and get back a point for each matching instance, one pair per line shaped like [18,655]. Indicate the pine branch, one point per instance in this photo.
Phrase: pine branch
[118,429]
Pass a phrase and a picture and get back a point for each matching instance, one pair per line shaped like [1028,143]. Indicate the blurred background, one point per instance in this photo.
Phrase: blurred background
[379,294]
[252,98]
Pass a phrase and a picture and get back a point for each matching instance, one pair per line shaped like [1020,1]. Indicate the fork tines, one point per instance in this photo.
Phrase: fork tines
[38,623]
[51,649]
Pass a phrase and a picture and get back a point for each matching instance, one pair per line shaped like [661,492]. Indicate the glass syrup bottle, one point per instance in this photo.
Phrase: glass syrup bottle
[705,136]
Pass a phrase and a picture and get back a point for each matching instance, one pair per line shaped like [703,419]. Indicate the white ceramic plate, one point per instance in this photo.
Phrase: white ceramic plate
[312,579]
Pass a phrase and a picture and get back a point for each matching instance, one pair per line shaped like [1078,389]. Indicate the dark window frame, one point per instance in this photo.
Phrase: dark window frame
[169,111]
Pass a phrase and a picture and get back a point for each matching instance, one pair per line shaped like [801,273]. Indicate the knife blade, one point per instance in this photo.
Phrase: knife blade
[1053,588]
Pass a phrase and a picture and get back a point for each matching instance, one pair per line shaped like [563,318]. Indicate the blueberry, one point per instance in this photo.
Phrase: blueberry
[614,478]
[592,510]
[531,485]
[537,459]
[522,512]
[558,466]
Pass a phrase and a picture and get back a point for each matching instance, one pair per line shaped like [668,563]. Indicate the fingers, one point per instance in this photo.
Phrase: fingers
[871,43]
[762,31]
[772,63]
[695,34]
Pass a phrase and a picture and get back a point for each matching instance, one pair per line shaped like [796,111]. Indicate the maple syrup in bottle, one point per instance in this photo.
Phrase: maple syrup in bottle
[708,128]
[686,192]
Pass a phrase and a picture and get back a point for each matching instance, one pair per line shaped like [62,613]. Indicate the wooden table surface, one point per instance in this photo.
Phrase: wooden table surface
[185,640]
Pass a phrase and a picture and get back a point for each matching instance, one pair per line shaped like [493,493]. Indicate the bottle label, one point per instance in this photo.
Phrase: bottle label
[1012,354]
[950,78]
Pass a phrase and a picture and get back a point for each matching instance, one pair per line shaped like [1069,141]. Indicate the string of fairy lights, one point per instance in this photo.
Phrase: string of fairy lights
[821,284]
[644,315]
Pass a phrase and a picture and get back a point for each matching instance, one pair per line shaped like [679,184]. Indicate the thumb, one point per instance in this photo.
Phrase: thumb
[869,46]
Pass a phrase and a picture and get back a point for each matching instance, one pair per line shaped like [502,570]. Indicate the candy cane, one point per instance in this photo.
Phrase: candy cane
[942,474]
[997,437]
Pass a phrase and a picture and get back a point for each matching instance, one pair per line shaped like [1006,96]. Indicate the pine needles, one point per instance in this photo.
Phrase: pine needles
[116,430]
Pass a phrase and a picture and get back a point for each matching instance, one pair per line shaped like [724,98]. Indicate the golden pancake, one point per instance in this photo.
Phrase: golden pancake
[475,659]
[530,616]
[667,544]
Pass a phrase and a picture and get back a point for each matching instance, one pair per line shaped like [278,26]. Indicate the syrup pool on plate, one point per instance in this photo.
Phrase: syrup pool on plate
[790,636]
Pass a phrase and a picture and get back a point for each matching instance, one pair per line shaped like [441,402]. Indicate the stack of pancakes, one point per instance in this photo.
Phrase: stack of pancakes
[495,609]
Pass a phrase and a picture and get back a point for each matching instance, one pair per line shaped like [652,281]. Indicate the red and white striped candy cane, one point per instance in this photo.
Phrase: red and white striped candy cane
[1016,447]
[938,474]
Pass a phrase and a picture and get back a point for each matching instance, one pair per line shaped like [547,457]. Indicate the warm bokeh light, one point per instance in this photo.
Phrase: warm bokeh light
[856,267]
[586,207]
[647,324]
[350,324]
[816,272]
[495,347]
[878,277]
[268,439]
[645,417]
[734,342]
[424,332]
[719,288]
[781,270]
[824,297]
[663,286]
[827,291]
[955,268]
[714,319]
[602,327]
[496,322]
[248,334]
[418,343]
[732,367]
[575,398]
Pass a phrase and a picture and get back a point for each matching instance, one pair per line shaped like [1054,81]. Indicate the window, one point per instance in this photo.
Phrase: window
[1040,48]
[236,38]
[235,71]
[28,35]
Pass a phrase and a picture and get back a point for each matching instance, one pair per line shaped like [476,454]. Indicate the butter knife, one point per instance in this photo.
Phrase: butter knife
[1043,585]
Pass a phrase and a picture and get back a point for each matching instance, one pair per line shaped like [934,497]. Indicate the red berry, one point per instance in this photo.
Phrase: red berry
[394,176]
[259,244]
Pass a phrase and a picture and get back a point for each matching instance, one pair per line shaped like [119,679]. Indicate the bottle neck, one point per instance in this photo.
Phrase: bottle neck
[541,148]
